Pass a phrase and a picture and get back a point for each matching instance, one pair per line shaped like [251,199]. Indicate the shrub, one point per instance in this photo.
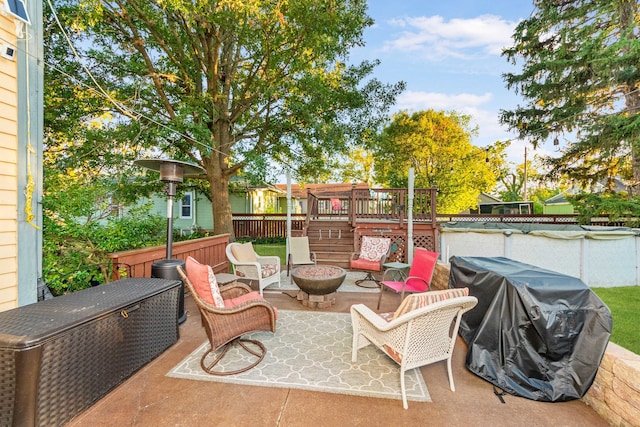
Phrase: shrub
[75,253]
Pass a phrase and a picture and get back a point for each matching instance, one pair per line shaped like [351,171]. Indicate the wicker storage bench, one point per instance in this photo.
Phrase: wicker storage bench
[59,356]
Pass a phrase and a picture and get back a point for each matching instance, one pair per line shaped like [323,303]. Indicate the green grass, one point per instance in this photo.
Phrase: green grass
[267,249]
[624,303]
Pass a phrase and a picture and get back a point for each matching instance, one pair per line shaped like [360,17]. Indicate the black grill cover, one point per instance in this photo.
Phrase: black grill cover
[535,333]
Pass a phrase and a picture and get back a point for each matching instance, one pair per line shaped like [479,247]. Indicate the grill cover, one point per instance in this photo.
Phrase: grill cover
[535,333]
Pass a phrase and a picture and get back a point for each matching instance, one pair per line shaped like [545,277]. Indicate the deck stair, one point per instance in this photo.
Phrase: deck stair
[332,241]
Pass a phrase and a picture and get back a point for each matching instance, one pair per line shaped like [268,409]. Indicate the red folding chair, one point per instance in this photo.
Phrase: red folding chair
[418,279]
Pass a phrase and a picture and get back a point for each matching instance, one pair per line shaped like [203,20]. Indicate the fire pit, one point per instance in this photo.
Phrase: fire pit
[318,279]
[318,284]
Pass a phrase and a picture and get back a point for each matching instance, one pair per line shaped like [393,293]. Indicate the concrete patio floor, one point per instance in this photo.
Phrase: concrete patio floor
[149,398]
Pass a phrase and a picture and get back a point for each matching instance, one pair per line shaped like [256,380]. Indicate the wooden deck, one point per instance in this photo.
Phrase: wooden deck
[336,223]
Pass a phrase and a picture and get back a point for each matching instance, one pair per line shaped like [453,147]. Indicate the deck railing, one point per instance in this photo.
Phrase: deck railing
[266,226]
[373,204]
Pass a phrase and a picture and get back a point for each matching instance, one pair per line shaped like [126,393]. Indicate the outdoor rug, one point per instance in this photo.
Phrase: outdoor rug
[312,351]
[349,284]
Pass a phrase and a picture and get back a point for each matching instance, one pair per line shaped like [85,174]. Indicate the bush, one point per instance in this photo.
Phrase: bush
[75,254]
[619,207]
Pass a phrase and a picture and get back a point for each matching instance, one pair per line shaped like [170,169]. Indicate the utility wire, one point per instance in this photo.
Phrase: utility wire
[137,115]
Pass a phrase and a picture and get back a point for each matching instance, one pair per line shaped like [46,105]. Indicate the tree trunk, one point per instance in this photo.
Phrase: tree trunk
[221,206]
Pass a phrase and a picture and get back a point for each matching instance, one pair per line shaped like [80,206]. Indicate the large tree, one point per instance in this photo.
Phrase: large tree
[232,83]
[438,146]
[580,79]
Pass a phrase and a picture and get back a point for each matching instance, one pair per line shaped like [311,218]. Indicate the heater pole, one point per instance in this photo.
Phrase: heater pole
[171,192]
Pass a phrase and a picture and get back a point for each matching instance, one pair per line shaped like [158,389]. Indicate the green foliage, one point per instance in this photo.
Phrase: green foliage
[438,145]
[619,207]
[229,85]
[580,79]
[539,195]
[75,252]
[623,303]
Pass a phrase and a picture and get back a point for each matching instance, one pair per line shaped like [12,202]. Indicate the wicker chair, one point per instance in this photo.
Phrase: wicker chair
[251,266]
[415,338]
[225,326]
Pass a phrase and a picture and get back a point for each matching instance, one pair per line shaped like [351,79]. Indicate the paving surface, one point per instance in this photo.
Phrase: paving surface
[149,398]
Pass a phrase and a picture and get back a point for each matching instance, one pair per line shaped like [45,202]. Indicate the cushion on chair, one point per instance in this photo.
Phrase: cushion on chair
[250,296]
[374,248]
[363,264]
[244,252]
[268,270]
[204,281]
[423,299]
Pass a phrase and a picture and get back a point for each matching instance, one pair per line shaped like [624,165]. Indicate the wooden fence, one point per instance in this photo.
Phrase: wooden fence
[207,250]
[265,226]
[258,226]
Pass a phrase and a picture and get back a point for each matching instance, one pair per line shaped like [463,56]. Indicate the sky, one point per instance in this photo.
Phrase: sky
[449,55]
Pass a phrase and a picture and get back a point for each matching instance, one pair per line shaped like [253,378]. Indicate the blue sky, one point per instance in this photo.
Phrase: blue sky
[448,53]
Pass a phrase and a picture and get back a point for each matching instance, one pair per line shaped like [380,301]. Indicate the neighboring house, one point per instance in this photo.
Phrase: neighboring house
[483,199]
[21,130]
[193,210]
[251,199]
[557,205]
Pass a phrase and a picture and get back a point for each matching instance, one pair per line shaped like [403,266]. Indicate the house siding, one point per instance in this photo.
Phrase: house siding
[8,172]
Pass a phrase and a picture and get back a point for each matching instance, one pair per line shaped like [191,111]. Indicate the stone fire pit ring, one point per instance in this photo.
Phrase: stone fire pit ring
[318,279]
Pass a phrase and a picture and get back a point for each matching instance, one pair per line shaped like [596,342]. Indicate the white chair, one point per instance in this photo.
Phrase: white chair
[299,253]
[249,265]
[414,337]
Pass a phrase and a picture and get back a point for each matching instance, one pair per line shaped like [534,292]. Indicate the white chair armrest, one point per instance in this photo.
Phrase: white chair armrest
[270,259]
[370,316]
[247,263]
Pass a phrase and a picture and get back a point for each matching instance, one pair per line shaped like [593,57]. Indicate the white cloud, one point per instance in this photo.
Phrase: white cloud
[415,100]
[435,38]
[476,106]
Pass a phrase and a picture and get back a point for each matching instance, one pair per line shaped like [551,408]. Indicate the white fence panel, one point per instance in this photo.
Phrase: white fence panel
[598,262]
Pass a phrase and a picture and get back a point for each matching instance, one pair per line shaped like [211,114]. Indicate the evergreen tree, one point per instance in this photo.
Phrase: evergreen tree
[580,79]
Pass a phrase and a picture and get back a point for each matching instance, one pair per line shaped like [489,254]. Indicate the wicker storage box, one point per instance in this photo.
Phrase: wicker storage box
[59,356]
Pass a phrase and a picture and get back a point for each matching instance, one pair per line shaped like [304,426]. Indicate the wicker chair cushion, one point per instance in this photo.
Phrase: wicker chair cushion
[244,252]
[204,281]
[232,302]
[423,299]
[268,270]
[374,248]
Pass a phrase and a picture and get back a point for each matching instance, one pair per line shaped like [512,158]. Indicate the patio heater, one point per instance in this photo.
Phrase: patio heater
[172,172]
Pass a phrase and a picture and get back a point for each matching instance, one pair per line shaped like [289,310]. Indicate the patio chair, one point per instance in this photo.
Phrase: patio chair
[419,333]
[299,253]
[373,253]
[251,266]
[228,312]
[418,279]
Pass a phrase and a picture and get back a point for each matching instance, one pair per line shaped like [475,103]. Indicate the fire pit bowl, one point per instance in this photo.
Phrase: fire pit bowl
[318,279]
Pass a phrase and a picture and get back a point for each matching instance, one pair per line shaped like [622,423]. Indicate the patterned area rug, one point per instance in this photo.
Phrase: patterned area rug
[312,351]
[349,285]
